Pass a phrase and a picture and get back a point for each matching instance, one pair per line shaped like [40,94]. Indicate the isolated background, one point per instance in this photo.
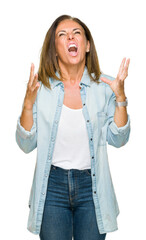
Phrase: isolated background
[118,29]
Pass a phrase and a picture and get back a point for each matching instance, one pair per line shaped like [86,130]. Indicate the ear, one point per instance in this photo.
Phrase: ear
[88,46]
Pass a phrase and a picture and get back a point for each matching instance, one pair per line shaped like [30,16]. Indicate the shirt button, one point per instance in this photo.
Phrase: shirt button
[92,157]
[87,120]
[84,104]
[93,174]
[91,139]
[94,191]
[56,121]
[43,193]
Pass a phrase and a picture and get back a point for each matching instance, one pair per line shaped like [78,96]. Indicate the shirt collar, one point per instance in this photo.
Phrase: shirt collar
[84,80]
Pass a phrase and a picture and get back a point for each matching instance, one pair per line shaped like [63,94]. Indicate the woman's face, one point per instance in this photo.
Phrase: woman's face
[71,43]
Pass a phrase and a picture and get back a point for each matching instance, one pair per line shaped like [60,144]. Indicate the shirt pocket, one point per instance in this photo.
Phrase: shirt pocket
[101,128]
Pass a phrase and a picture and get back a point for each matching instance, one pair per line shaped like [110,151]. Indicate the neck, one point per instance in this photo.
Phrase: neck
[72,74]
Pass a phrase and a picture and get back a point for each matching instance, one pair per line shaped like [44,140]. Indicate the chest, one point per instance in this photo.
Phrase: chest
[72,97]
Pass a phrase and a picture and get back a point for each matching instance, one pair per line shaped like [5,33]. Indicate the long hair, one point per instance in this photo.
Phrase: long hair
[48,60]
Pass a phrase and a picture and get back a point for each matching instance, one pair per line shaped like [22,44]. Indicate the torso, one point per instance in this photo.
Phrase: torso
[72,97]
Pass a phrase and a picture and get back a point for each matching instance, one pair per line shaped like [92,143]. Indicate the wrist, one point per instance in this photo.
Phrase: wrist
[28,103]
[121,103]
[27,106]
[25,109]
[121,98]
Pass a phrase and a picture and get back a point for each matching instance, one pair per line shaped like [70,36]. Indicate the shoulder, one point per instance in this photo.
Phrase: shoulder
[109,94]
[108,90]
[100,81]
[106,76]
[103,87]
[43,88]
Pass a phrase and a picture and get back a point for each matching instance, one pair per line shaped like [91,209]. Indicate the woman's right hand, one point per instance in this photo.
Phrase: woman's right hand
[31,91]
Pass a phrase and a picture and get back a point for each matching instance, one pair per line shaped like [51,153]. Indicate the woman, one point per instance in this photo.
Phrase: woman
[69,119]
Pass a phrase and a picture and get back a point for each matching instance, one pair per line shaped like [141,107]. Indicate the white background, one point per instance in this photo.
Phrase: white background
[118,29]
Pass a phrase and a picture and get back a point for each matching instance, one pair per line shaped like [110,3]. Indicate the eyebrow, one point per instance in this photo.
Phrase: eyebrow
[73,30]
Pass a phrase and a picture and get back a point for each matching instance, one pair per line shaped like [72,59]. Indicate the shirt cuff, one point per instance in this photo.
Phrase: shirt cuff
[24,133]
[120,130]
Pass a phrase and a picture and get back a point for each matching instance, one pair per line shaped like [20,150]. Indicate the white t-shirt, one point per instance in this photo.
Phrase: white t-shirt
[71,150]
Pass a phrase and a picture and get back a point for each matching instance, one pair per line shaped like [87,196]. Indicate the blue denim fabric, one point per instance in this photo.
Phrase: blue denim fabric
[69,208]
[98,110]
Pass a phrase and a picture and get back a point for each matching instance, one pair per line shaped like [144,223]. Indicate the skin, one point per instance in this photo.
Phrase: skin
[72,68]
[26,118]
[67,32]
[120,116]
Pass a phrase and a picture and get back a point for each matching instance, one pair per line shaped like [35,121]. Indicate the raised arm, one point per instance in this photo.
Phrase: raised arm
[120,116]
[26,118]
[118,121]
[26,133]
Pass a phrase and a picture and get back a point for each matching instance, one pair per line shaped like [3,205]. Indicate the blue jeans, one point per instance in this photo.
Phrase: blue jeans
[69,208]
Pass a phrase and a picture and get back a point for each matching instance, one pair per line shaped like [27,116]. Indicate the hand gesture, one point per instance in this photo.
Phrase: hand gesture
[118,84]
[32,88]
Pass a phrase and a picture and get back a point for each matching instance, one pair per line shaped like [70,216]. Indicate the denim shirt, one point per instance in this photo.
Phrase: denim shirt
[98,101]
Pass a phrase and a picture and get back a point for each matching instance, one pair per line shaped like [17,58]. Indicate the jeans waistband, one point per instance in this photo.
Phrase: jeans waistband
[67,170]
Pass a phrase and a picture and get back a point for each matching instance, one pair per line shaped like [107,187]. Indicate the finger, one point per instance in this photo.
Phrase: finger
[106,80]
[34,81]
[31,75]
[127,64]
[36,87]
[122,66]
[125,71]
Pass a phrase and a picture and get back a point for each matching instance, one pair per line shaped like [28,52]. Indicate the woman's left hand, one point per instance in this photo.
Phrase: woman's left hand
[118,84]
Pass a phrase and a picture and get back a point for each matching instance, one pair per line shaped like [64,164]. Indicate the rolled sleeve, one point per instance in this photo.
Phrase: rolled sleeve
[116,136]
[24,133]
[27,140]
[120,130]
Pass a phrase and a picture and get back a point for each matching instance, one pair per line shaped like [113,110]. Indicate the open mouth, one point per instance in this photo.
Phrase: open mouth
[72,49]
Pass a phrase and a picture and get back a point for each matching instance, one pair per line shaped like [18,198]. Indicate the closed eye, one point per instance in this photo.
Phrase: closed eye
[61,34]
[77,32]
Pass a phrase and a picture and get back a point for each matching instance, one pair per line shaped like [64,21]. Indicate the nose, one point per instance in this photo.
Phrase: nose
[70,36]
